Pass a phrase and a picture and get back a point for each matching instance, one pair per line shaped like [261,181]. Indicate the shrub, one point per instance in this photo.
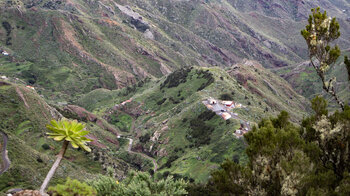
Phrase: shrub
[160,102]
[72,187]
[45,146]
[145,138]
[176,78]
[226,96]
[104,185]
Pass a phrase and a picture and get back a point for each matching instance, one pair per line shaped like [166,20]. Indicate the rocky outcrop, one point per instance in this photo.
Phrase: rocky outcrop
[134,18]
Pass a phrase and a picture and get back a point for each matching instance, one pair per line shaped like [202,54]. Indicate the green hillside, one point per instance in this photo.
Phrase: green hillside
[24,115]
[167,114]
[69,48]
[148,79]
[166,119]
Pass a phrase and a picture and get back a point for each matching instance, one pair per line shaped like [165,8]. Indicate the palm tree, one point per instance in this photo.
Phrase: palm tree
[68,131]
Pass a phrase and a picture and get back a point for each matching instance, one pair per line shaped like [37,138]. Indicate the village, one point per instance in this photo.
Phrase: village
[224,109]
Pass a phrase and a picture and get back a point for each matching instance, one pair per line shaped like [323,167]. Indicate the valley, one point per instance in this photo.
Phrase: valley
[171,89]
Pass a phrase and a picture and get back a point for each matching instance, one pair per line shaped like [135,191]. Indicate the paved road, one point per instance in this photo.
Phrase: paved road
[4,156]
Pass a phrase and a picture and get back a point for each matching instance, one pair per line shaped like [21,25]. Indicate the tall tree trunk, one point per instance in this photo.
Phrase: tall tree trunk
[53,168]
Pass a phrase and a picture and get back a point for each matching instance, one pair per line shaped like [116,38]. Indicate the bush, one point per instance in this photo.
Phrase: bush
[45,146]
[104,185]
[206,75]
[160,102]
[200,132]
[72,187]
[145,138]
[226,96]
[206,115]
[176,78]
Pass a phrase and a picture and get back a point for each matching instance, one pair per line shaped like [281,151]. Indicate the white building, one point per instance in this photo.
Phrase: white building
[212,101]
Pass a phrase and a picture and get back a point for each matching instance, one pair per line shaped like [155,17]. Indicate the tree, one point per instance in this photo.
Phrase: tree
[331,134]
[68,131]
[313,159]
[319,35]
[139,183]
[277,162]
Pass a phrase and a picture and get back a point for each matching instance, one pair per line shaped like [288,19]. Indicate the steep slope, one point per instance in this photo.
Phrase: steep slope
[169,122]
[305,81]
[24,115]
[156,125]
[291,9]
[68,48]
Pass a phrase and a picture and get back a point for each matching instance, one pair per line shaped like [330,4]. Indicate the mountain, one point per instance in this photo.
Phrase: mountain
[163,117]
[170,123]
[68,48]
[305,81]
[148,79]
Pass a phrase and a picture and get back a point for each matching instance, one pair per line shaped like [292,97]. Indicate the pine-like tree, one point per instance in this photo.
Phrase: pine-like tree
[319,35]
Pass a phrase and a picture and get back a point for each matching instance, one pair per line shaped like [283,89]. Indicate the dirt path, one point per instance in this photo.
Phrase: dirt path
[4,155]
[130,147]
[143,155]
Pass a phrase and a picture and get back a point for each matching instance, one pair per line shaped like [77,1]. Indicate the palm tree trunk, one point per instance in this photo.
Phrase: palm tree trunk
[53,168]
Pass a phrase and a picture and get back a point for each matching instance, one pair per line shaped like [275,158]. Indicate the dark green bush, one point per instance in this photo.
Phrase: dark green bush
[45,146]
[226,96]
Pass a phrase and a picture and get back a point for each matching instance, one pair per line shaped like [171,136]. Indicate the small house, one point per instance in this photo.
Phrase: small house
[31,87]
[5,53]
[228,103]
[210,107]
[226,115]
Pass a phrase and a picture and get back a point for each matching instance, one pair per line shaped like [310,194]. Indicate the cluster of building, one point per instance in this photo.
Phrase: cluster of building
[222,108]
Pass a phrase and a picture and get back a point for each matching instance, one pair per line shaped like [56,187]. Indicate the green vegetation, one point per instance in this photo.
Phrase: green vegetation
[122,121]
[72,187]
[138,183]
[97,56]
[288,160]
[24,126]
[319,34]
[70,132]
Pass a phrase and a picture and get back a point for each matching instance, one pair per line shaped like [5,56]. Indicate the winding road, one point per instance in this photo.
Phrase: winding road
[4,156]
[143,155]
